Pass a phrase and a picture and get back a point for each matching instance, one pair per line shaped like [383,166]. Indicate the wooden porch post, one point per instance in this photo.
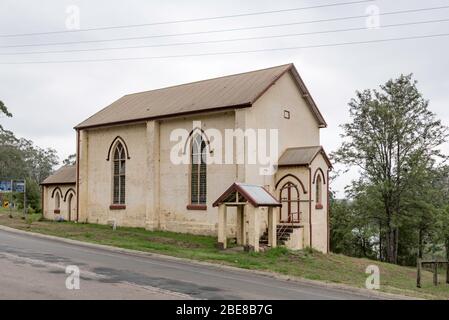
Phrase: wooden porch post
[272,226]
[222,226]
[256,229]
[241,225]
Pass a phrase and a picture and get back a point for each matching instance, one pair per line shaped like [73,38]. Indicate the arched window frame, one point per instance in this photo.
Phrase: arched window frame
[319,192]
[119,157]
[198,170]
[57,201]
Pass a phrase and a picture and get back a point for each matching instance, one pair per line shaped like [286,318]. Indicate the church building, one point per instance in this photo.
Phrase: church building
[129,172]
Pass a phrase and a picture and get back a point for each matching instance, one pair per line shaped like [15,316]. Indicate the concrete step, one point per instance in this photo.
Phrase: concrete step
[283,235]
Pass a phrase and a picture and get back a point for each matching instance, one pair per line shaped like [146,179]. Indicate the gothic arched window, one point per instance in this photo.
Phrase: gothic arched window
[57,201]
[198,172]
[119,184]
[319,191]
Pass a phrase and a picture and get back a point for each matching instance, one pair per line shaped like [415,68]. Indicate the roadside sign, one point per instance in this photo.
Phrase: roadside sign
[9,186]
[5,186]
[18,186]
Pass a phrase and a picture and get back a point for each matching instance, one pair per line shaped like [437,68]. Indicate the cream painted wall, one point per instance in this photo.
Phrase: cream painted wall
[302,129]
[50,202]
[175,185]
[173,182]
[99,176]
[268,113]
[320,216]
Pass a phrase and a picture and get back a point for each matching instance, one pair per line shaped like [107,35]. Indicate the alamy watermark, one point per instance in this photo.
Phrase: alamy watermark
[237,146]
[72,281]
[373,280]
[373,19]
[73,18]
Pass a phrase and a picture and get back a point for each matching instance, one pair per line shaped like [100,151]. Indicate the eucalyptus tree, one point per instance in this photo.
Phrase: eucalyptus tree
[391,132]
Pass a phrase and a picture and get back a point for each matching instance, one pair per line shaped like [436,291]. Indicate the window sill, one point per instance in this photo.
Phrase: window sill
[57,211]
[117,207]
[319,206]
[199,207]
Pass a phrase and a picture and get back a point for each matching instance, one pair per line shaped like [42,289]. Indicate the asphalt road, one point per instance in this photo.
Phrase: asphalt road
[35,268]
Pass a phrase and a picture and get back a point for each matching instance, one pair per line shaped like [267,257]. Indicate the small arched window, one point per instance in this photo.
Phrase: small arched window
[119,164]
[57,201]
[198,173]
[319,192]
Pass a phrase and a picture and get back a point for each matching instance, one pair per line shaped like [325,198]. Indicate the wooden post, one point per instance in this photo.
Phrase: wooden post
[418,275]
[256,226]
[222,240]
[435,273]
[447,272]
[240,225]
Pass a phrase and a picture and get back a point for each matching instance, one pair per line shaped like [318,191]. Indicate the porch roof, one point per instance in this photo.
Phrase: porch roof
[302,156]
[257,195]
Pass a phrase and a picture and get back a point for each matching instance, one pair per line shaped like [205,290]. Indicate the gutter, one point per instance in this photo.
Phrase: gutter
[174,115]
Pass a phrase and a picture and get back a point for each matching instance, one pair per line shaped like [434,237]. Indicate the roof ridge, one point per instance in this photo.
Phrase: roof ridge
[210,79]
[305,147]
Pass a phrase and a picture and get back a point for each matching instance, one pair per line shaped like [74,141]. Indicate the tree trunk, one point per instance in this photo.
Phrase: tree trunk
[390,245]
[380,241]
[420,244]
[388,251]
[396,245]
[447,249]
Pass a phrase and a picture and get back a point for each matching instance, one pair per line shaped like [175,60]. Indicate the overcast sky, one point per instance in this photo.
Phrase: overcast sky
[48,100]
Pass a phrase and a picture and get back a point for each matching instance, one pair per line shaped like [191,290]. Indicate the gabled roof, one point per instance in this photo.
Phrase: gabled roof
[229,92]
[254,194]
[64,175]
[302,156]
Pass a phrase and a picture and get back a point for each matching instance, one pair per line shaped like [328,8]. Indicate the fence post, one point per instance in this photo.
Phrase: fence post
[418,275]
[435,273]
[25,197]
[447,272]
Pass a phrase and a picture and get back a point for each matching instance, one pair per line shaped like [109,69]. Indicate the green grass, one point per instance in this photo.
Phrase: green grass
[306,264]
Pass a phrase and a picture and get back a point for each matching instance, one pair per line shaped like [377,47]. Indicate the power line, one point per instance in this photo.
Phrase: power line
[224,40]
[188,20]
[222,30]
[232,52]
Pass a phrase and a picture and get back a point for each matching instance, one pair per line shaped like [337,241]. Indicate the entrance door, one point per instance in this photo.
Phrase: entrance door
[289,197]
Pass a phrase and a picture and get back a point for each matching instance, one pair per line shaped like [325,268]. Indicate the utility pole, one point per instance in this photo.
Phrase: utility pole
[25,197]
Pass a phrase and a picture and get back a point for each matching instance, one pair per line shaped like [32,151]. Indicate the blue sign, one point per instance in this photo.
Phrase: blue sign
[5,186]
[18,186]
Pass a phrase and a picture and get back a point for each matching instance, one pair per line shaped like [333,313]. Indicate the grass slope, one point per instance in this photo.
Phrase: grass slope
[306,264]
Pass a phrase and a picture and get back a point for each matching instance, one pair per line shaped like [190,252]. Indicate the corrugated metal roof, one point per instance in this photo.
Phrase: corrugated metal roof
[257,195]
[240,90]
[64,175]
[300,156]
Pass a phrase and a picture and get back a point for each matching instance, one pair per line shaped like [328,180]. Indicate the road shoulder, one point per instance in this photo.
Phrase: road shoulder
[345,288]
